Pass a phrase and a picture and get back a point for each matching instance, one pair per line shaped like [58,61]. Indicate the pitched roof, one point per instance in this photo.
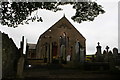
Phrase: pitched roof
[59,22]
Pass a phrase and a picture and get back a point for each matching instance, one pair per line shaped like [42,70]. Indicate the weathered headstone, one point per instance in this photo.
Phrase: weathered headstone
[104,52]
[82,58]
[115,54]
[98,49]
[111,61]
[105,56]
[107,49]
[69,54]
[63,55]
[115,51]
[98,53]
[107,52]
[61,49]
[77,51]
[110,55]
[68,57]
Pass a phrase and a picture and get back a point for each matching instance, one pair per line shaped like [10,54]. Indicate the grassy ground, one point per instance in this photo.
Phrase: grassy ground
[62,72]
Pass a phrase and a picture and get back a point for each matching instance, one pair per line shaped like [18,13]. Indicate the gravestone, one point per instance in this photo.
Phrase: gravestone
[115,54]
[107,49]
[82,58]
[98,50]
[105,56]
[110,55]
[62,53]
[98,53]
[107,52]
[77,51]
[111,61]
[115,51]
[68,57]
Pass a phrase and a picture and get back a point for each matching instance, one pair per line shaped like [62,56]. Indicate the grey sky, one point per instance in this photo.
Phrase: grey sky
[103,29]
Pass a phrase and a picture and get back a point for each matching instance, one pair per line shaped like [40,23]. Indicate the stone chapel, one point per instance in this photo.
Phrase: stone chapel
[60,43]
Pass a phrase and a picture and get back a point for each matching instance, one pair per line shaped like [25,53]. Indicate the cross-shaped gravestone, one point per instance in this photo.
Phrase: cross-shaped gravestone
[107,48]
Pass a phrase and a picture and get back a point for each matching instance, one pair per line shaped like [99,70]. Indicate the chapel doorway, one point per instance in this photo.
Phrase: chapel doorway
[54,52]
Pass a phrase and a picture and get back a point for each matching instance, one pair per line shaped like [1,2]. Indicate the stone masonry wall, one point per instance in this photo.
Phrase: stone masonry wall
[10,56]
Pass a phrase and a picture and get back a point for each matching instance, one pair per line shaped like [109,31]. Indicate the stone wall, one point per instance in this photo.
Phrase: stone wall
[10,56]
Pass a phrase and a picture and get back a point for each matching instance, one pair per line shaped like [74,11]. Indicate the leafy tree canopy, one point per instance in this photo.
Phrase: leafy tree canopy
[15,13]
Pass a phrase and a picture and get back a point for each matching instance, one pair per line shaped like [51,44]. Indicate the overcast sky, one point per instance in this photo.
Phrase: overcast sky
[103,29]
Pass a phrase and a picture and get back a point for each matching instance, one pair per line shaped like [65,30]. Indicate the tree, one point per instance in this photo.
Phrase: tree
[15,13]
